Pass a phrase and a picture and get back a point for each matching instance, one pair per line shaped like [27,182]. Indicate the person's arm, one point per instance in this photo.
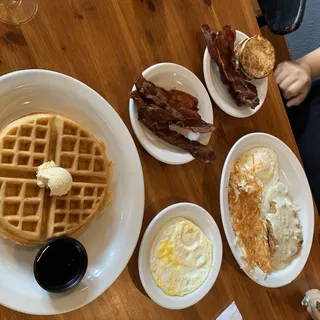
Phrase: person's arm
[294,78]
[312,61]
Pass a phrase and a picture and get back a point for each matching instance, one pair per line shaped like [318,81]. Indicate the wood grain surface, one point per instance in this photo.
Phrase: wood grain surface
[256,6]
[107,44]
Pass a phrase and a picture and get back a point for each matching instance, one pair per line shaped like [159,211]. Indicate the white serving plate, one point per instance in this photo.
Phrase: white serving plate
[219,91]
[206,223]
[172,76]
[293,175]
[111,238]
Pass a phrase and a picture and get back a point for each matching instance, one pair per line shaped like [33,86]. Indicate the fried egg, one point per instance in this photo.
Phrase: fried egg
[180,257]
[263,163]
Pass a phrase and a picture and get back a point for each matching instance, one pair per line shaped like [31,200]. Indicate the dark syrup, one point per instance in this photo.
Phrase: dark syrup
[59,264]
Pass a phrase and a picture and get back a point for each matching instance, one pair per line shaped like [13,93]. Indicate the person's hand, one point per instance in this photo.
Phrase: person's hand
[314,312]
[294,80]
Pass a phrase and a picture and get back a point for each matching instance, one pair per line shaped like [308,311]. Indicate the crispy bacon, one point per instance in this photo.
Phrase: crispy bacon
[182,100]
[196,125]
[180,104]
[158,119]
[159,116]
[221,50]
[195,148]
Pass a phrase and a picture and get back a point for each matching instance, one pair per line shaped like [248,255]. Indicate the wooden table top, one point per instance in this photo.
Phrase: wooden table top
[107,44]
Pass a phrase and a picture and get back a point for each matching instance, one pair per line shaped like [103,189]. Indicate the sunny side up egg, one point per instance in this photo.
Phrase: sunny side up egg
[263,163]
[181,257]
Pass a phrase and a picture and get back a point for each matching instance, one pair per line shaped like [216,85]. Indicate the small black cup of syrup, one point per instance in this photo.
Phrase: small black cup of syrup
[60,264]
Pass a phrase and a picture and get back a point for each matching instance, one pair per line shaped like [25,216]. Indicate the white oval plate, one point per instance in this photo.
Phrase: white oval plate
[206,223]
[219,91]
[172,76]
[292,174]
[111,238]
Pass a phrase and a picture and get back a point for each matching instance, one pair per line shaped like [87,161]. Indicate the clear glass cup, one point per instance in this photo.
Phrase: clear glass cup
[17,12]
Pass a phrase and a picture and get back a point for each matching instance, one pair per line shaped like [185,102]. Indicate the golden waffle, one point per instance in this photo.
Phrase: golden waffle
[24,143]
[249,224]
[28,215]
[78,150]
[71,210]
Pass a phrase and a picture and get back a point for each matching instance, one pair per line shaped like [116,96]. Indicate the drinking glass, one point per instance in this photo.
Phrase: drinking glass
[17,12]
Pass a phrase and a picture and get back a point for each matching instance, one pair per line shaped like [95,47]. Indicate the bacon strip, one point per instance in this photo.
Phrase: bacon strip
[196,125]
[195,148]
[180,104]
[221,50]
[158,120]
[159,116]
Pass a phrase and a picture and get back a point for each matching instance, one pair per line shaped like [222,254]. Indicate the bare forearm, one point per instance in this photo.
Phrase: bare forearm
[312,62]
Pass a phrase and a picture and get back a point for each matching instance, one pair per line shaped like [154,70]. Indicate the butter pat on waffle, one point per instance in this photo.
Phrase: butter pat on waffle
[28,214]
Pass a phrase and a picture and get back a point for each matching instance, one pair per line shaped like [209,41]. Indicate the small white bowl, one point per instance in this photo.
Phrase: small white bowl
[219,91]
[172,76]
[206,223]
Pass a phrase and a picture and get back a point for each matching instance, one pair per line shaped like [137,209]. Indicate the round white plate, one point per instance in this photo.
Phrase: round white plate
[172,76]
[219,91]
[292,174]
[111,238]
[205,222]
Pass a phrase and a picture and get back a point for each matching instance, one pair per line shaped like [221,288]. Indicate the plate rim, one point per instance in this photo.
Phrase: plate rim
[136,125]
[224,214]
[138,171]
[217,246]
[213,92]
